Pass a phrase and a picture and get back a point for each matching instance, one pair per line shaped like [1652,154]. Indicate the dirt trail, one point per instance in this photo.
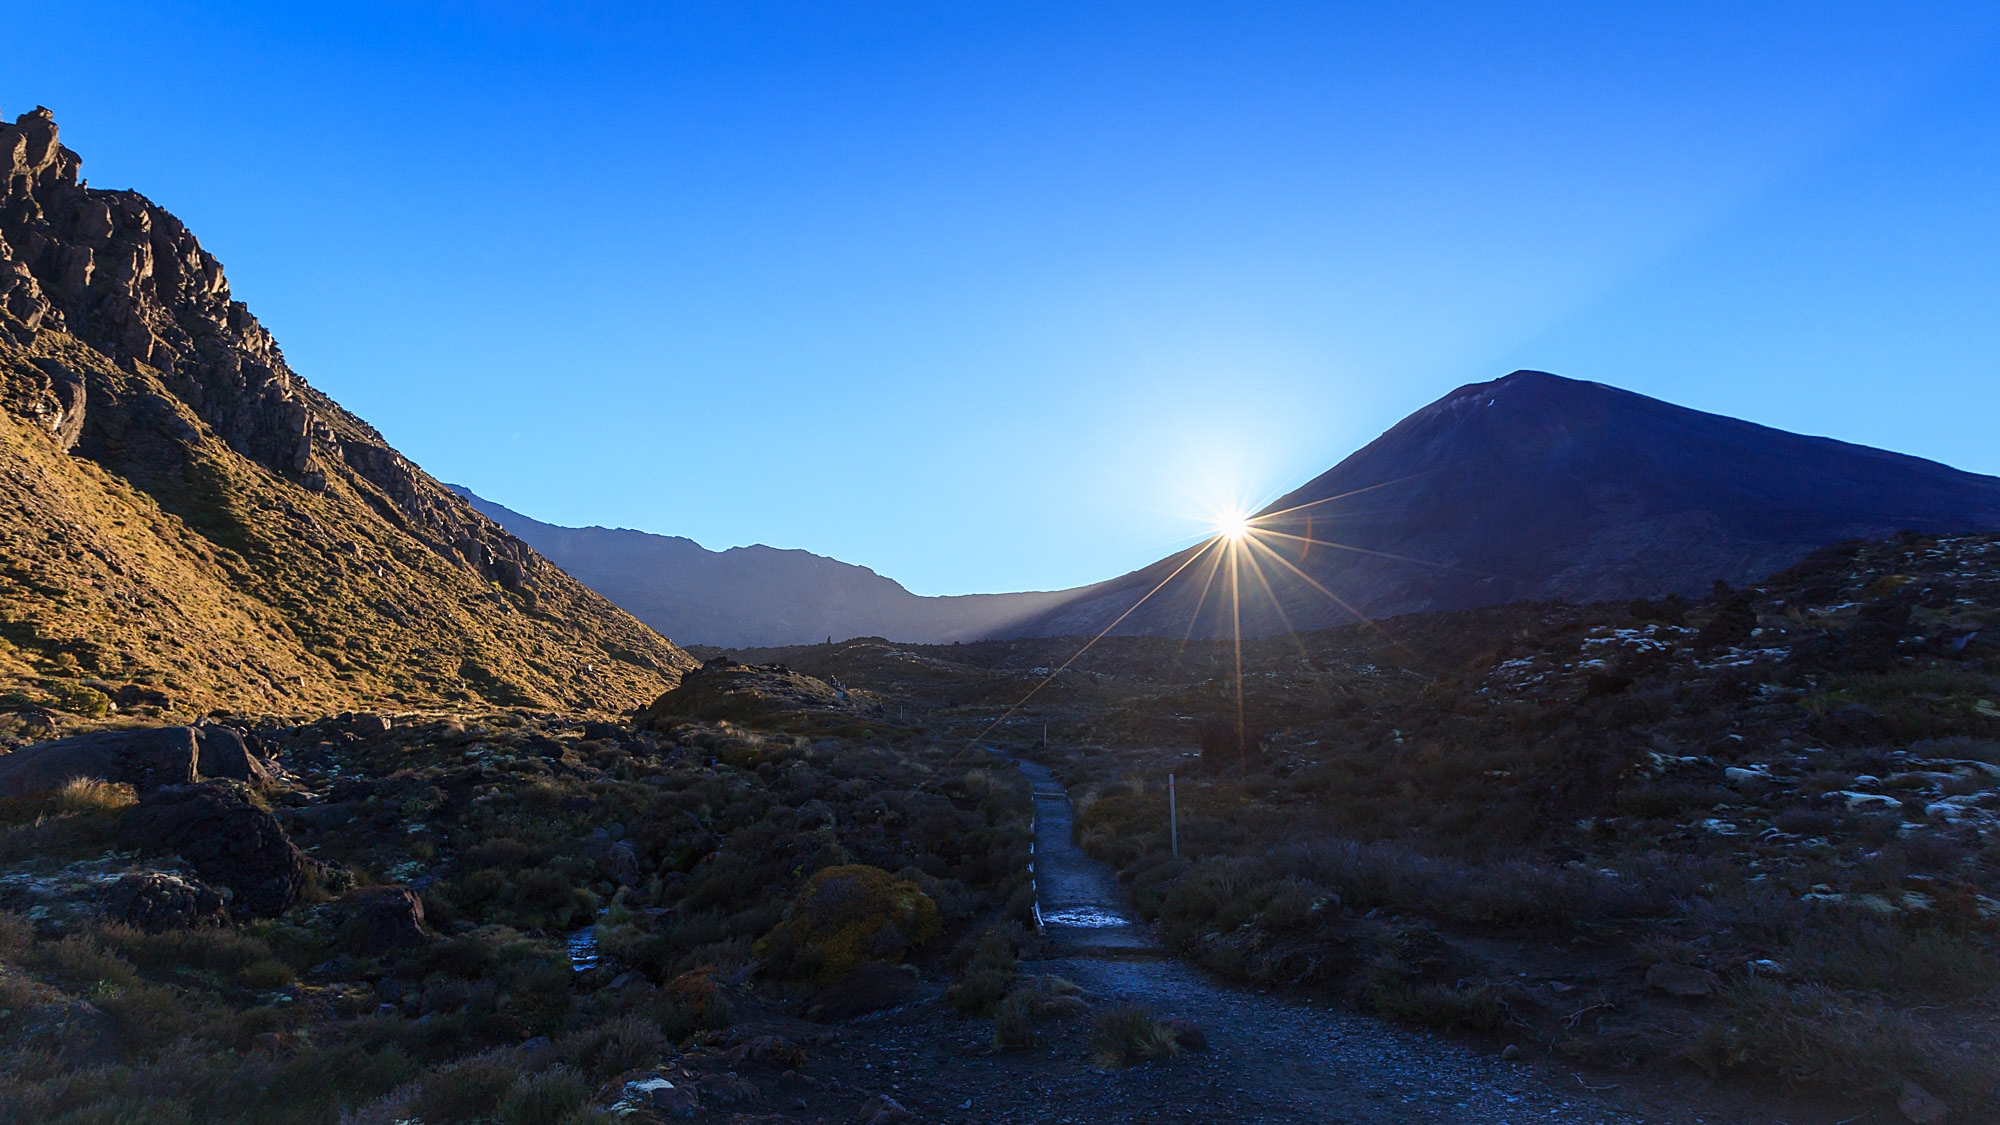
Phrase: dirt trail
[1274,1059]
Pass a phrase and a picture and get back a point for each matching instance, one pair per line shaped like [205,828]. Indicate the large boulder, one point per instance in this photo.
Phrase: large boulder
[1682,980]
[386,918]
[223,754]
[147,759]
[229,841]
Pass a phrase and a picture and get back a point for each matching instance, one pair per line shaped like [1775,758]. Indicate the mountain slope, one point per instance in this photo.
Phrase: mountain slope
[758,595]
[191,517]
[1536,487]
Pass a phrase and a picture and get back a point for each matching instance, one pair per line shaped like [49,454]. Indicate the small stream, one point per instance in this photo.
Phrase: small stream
[583,949]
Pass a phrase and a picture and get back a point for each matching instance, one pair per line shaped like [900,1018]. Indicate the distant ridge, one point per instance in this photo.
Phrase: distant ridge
[1536,487]
[755,596]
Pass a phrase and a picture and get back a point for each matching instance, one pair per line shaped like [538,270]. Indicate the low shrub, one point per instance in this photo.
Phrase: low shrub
[614,1046]
[547,1098]
[465,1091]
[1813,1035]
[976,991]
[232,956]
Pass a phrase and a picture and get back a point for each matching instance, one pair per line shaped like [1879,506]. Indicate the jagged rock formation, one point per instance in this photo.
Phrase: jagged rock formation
[1536,488]
[757,595]
[189,514]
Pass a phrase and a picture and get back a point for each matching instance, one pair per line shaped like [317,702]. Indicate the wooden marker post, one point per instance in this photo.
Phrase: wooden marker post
[1173,818]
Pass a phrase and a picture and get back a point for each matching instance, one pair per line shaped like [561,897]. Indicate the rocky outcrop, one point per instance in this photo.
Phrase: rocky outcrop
[146,759]
[723,689]
[248,544]
[229,841]
[121,274]
[156,901]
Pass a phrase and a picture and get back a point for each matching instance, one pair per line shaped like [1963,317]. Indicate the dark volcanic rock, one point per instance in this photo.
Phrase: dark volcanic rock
[147,759]
[385,918]
[229,841]
[223,754]
[155,901]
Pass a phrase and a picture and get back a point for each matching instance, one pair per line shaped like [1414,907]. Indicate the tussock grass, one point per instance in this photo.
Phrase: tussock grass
[92,795]
[1128,1034]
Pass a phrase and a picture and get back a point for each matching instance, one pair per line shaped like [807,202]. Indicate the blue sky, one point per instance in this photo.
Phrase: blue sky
[1006,296]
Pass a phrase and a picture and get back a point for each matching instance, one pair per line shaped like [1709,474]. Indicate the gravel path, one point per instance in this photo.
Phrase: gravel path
[1274,1059]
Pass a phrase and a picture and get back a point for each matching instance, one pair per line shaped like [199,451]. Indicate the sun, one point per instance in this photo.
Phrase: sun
[1233,526]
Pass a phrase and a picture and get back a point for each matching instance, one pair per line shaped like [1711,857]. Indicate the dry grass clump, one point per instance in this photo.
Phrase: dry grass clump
[92,795]
[1128,1034]
[1033,1001]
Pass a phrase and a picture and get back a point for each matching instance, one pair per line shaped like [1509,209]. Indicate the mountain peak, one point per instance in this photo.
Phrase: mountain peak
[1536,487]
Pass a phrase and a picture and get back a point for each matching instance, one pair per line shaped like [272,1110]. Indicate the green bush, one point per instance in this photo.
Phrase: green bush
[845,916]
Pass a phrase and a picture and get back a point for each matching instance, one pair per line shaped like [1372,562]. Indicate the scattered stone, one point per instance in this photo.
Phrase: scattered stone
[1878,802]
[1681,980]
[1921,1106]
[884,1110]
[330,815]
[771,1049]
[727,1087]
[1187,1034]
[157,901]
[227,839]
[146,759]
[660,1096]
